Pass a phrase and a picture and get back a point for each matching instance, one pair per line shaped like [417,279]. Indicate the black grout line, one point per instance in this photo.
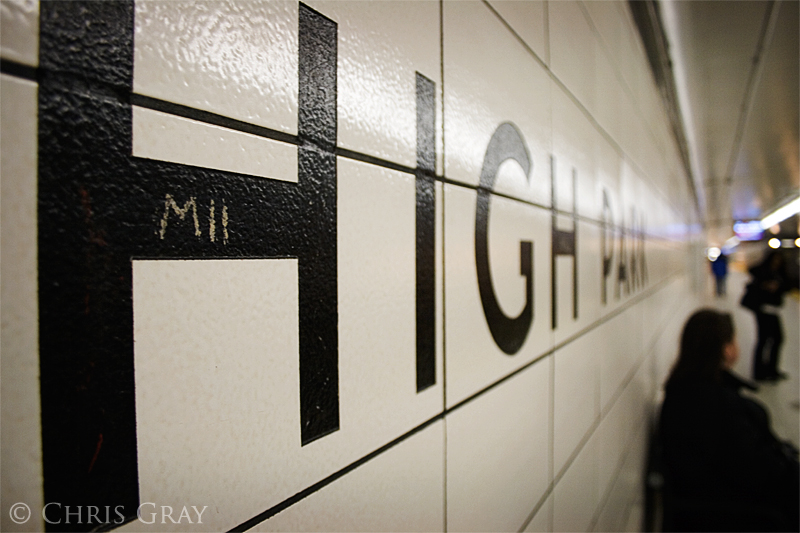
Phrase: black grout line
[211,118]
[272,511]
[610,316]
[19,70]
[365,158]
[444,270]
[579,217]
[31,73]
[604,412]
[267,133]
[547,58]
[600,129]
[211,258]
[443,415]
[648,355]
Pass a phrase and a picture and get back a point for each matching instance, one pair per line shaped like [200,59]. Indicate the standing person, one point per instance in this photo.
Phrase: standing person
[764,297]
[724,469]
[719,267]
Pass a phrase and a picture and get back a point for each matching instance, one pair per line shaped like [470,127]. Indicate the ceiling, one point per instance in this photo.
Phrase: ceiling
[735,68]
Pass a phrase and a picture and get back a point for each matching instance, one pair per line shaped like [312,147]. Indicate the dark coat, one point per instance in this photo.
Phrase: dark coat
[724,468]
[762,277]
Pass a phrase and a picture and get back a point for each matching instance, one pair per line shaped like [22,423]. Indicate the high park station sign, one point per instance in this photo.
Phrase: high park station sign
[124,236]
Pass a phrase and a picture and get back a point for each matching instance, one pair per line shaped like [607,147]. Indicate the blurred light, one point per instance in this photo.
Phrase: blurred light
[730,245]
[748,231]
[775,229]
[713,253]
[781,214]
[797,242]
[774,243]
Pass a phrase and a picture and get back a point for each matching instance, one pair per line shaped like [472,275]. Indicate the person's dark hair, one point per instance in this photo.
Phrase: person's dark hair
[702,346]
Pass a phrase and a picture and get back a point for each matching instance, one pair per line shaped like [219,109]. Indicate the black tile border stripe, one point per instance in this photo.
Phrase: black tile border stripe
[208,117]
[604,412]
[443,264]
[285,504]
[587,113]
[272,511]
[215,119]
[34,74]
[19,70]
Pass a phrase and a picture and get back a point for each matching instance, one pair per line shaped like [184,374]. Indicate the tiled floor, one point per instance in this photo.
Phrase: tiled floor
[782,398]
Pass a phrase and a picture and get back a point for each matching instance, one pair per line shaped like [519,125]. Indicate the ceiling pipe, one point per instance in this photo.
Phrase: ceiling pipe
[647,17]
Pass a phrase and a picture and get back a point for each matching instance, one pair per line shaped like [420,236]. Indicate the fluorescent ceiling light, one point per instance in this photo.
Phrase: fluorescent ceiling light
[781,214]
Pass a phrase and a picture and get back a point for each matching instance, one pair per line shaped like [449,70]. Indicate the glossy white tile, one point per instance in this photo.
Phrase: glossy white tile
[486,86]
[166,137]
[19,31]
[576,395]
[381,48]
[575,496]
[581,295]
[608,21]
[621,351]
[572,51]
[377,313]
[475,359]
[574,156]
[543,519]
[498,454]
[234,58]
[528,20]
[217,377]
[19,342]
[402,489]
[608,93]
[182,334]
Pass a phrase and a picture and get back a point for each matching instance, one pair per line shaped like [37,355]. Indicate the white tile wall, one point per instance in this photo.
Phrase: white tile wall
[217,369]
[19,31]
[498,454]
[381,46]
[576,495]
[528,20]
[20,415]
[590,274]
[234,58]
[572,50]
[494,84]
[576,395]
[473,359]
[166,137]
[543,519]
[400,490]
[574,139]
[621,350]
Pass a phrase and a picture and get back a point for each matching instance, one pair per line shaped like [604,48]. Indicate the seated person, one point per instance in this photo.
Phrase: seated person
[724,469]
